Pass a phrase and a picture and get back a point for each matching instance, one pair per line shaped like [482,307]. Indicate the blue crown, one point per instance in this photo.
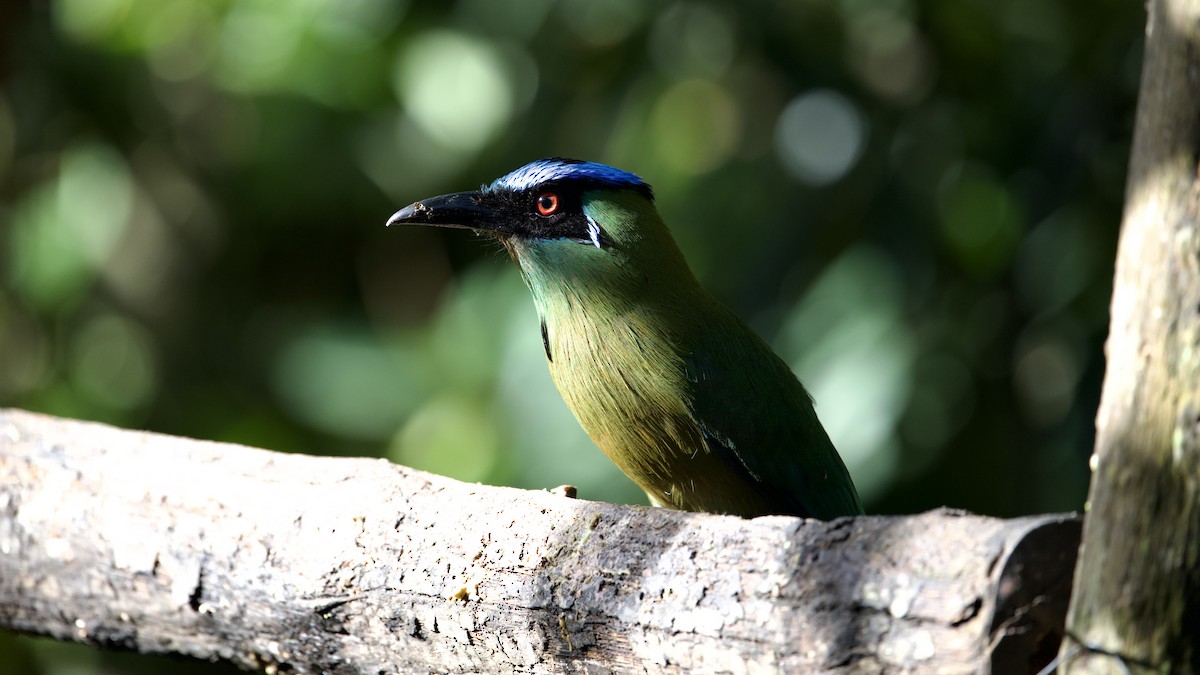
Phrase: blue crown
[556,169]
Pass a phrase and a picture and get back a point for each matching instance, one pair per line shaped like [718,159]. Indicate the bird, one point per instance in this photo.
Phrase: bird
[686,399]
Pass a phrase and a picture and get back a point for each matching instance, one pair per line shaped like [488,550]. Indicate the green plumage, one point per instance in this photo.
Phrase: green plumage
[683,397]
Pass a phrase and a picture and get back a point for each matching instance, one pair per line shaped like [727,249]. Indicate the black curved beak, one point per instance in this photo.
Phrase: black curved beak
[464,210]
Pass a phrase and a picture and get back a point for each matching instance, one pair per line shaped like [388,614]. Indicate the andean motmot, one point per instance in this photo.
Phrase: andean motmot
[680,394]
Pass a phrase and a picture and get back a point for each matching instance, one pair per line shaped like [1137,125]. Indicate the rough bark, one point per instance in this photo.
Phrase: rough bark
[290,562]
[1136,602]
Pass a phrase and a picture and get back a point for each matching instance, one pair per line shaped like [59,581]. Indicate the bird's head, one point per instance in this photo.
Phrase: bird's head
[562,220]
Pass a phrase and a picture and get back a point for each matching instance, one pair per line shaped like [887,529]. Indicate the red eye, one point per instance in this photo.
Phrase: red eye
[547,203]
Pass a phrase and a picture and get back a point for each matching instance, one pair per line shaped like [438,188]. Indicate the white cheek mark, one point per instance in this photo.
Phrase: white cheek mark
[593,231]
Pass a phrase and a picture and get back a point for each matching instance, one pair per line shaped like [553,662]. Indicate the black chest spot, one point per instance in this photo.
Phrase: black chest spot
[546,341]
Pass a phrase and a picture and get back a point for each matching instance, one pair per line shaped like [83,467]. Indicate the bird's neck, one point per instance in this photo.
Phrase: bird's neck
[586,291]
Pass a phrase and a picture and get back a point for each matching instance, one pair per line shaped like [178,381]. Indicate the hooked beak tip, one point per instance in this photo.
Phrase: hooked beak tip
[406,214]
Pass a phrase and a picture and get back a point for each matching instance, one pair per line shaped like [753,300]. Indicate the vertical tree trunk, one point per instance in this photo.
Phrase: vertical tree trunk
[1136,599]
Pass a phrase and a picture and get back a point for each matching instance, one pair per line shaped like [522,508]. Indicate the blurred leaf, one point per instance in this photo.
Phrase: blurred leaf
[65,231]
[451,436]
[981,222]
[343,381]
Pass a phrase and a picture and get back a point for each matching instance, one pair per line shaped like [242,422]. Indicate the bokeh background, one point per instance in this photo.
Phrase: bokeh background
[916,203]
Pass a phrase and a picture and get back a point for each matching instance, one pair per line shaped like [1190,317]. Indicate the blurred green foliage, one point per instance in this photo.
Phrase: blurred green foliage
[915,202]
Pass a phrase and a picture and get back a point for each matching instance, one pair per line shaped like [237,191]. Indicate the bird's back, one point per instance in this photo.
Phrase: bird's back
[756,415]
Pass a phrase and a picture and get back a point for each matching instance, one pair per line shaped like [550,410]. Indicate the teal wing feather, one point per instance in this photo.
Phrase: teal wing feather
[754,413]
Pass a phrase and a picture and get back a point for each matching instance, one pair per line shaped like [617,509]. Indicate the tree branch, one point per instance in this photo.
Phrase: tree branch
[160,544]
[1137,597]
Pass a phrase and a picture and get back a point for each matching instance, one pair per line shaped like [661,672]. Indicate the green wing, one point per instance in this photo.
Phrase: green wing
[759,419]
